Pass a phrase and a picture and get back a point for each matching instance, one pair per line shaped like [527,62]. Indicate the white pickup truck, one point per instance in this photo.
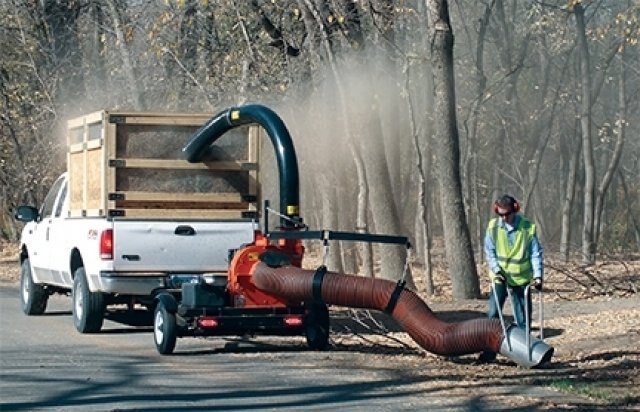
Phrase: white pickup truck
[130,218]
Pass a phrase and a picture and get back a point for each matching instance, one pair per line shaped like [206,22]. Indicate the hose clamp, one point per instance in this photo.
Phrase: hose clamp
[393,300]
[316,288]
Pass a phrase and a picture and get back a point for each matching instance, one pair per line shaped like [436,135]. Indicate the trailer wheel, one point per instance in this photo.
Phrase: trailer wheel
[164,330]
[33,297]
[317,326]
[88,307]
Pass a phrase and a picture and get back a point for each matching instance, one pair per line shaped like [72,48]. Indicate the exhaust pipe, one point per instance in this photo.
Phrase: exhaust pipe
[228,119]
[411,312]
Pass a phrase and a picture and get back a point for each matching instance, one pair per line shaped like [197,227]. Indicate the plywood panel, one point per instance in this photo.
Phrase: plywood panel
[94,182]
[76,180]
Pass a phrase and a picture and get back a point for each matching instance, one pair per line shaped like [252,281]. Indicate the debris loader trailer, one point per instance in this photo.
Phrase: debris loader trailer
[265,290]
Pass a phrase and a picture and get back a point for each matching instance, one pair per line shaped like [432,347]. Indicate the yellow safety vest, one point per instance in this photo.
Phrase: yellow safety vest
[515,260]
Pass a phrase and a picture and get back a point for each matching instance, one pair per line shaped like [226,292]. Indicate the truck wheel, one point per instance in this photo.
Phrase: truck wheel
[33,297]
[164,329]
[317,326]
[88,307]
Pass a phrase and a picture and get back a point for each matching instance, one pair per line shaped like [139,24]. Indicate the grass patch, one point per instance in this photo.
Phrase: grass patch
[595,390]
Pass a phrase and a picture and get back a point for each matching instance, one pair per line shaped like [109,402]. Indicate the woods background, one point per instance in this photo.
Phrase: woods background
[546,99]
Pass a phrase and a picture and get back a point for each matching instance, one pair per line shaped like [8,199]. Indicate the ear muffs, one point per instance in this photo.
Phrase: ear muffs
[515,206]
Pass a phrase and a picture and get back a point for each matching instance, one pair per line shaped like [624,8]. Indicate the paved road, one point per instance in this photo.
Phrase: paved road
[46,365]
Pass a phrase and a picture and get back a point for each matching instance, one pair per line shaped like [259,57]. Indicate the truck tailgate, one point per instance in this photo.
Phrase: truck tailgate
[169,246]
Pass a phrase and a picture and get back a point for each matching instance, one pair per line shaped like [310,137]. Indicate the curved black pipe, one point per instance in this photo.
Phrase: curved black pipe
[280,138]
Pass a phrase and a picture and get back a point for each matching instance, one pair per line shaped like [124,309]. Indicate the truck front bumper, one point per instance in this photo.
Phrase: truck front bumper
[142,284]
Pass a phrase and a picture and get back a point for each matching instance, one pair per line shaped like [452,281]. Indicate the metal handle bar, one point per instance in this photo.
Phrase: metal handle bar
[504,328]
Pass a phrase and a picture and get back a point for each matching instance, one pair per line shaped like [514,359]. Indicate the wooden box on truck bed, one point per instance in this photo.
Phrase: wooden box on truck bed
[130,165]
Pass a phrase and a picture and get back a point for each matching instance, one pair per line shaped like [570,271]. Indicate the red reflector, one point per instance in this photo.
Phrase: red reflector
[208,322]
[106,244]
[293,320]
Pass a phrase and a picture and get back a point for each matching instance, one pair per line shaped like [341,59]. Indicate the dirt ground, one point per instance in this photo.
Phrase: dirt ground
[592,319]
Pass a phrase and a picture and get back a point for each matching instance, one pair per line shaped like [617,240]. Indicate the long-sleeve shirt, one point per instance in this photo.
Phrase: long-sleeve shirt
[535,248]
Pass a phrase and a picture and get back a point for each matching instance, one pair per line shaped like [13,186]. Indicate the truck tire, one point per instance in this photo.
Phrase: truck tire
[164,329]
[88,307]
[317,326]
[33,297]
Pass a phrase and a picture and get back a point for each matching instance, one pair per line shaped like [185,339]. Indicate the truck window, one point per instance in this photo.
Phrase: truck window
[63,195]
[47,206]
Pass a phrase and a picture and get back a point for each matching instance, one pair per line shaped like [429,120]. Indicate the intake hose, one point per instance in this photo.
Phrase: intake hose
[411,312]
[228,119]
[413,315]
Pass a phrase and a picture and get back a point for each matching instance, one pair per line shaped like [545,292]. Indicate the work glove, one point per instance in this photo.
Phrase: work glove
[537,283]
[500,276]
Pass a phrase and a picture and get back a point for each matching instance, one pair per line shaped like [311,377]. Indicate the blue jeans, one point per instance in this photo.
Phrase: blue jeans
[517,302]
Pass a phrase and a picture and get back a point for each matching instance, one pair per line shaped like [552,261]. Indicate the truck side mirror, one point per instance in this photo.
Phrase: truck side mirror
[26,213]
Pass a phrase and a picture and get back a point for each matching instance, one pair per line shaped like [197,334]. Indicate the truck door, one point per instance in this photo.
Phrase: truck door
[58,237]
[41,251]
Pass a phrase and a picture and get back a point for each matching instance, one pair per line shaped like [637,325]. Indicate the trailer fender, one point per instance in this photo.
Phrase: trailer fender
[168,301]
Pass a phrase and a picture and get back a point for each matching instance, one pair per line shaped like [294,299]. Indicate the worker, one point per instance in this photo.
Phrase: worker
[514,258]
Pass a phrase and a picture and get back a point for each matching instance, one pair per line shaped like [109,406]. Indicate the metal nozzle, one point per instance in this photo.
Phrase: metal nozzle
[514,346]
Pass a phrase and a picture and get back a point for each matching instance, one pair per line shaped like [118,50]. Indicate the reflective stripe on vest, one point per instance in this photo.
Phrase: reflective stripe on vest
[514,260]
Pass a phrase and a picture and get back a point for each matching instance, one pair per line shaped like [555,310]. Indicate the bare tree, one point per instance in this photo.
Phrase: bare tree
[588,241]
[115,10]
[619,130]
[456,232]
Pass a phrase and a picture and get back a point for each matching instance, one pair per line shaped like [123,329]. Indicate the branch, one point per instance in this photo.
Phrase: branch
[275,33]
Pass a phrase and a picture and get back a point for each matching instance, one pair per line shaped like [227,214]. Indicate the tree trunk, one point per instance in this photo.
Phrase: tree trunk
[61,20]
[635,223]
[470,164]
[567,204]
[588,241]
[134,93]
[333,259]
[422,225]
[617,151]
[458,245]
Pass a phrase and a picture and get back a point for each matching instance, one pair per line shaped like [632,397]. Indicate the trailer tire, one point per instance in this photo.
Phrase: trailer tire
[164,329]
[88,307]
[317,326]
[33,296]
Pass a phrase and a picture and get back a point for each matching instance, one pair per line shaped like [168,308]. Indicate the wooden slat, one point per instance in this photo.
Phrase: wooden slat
[86,213]
[160,121]
[254,155]
[110,133]
[183,213]
[94,117]
[163,115]
[76,147]
[94,144]
[132,204]
[137,163]
[94,212]
[185,197]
